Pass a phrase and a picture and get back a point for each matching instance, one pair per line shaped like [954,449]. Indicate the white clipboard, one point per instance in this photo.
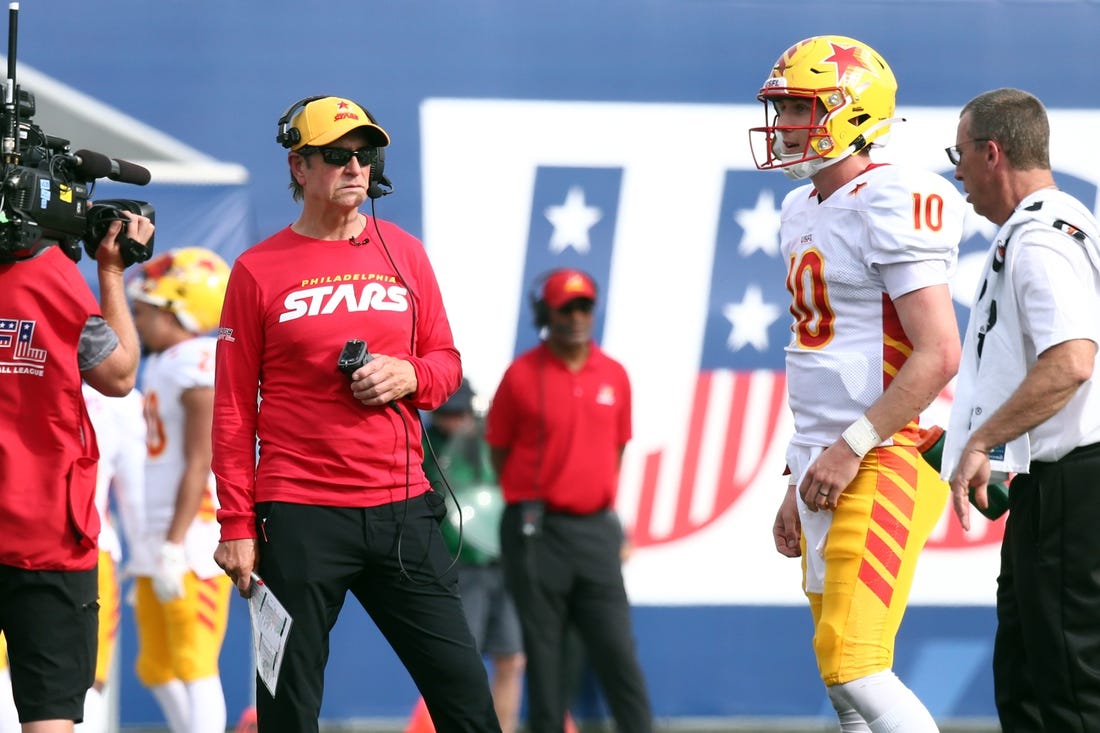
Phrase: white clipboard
[270,629]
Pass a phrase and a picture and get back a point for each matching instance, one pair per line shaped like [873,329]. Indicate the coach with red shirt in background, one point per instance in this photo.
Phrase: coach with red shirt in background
[557,428]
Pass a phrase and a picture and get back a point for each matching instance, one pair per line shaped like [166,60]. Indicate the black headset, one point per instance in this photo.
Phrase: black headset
[539,308]
[288,137]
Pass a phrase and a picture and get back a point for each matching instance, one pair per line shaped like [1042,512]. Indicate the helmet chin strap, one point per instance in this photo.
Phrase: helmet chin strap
[806,168]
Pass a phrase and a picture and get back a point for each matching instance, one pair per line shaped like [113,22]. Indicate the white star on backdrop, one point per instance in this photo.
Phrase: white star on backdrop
[571,221]
[750,320]
[760,225]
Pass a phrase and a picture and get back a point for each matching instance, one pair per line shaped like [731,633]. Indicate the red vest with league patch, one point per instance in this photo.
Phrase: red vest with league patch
[48,451]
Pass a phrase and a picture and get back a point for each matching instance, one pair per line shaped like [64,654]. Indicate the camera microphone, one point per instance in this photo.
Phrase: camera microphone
[90,164]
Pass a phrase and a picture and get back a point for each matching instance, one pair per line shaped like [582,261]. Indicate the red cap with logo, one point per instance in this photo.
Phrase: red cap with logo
[566,285]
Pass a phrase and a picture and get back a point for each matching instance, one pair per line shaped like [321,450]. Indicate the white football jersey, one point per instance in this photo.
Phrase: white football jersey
[120,432]
[165,377]
[888,232]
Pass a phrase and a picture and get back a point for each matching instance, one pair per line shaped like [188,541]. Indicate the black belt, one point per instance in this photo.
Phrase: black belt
[576,515]
[558,512]
[1081,451]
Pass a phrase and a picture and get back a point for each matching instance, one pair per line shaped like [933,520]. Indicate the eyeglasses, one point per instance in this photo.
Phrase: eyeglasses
[581,305]
[340,157]
[954,153]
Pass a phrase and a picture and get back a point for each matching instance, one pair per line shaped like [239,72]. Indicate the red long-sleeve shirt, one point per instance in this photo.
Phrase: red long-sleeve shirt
[291,304]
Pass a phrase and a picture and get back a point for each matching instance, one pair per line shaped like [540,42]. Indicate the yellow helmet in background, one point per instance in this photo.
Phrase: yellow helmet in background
[853,90]
[189,282]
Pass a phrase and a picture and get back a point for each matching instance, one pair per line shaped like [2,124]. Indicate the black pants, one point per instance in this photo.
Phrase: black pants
[570,574]
[391,558]
[1046,658]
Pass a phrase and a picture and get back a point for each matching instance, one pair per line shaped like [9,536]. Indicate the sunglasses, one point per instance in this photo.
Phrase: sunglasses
[340,157]
[954,153]
[580,305]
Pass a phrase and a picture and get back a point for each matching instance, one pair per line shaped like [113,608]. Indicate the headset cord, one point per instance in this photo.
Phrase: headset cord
[408,438]
[405,513]
[451,493]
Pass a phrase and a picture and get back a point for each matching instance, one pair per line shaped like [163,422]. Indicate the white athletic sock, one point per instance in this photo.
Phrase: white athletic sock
[172,698]
[95,712]
[886,704]
[9,718]
[207,703]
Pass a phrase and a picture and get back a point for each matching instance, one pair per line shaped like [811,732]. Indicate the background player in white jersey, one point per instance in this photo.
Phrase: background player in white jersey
[120,431]
[182,595]
[869,249]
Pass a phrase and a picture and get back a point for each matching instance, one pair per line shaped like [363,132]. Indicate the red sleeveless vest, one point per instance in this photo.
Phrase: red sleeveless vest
[48,451]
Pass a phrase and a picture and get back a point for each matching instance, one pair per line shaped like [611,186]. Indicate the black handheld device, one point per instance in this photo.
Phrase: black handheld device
[353,356]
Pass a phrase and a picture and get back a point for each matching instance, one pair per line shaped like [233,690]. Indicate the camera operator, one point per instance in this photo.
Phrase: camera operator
[53,334]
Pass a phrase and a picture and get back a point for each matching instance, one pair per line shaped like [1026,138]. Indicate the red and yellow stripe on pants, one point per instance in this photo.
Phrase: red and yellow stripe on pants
[882,521]
[181,639]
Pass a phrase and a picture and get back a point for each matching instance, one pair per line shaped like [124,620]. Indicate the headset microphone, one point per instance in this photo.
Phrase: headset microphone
[379,185]
[377,182]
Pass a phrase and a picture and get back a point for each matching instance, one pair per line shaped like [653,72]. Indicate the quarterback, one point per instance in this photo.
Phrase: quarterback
[874,339]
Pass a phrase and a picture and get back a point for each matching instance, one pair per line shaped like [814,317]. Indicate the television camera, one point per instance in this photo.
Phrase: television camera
[45,188]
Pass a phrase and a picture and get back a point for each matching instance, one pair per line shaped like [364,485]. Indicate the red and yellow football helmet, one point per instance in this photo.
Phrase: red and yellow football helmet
[188,282]
[853,90]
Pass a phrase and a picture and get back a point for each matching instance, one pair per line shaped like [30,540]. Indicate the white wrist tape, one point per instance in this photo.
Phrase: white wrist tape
[861,436]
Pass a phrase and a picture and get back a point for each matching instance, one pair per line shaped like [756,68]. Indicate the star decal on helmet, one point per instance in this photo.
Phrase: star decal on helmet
[845,58]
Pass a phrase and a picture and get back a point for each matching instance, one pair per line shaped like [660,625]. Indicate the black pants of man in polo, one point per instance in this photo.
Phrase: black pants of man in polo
[1046,658]
[392,558]
[569,573]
